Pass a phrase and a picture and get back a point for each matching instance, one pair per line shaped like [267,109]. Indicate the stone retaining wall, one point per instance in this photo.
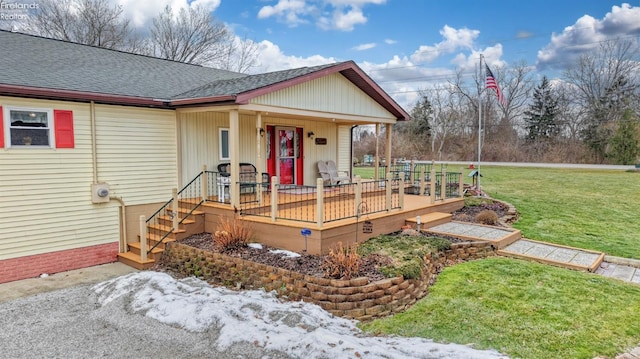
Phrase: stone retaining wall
[356,298]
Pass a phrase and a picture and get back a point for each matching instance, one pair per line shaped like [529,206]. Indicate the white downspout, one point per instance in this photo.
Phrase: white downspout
[122,240]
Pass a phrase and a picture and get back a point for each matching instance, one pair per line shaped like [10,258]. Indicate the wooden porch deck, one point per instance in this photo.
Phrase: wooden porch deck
[285,234]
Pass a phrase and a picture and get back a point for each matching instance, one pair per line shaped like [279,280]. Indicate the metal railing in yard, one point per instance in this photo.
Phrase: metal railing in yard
[322,204]
[313,204]
[168,218]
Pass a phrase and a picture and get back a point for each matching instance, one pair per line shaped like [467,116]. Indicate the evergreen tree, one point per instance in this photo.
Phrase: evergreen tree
[625,147]
[541,117]
[609,110]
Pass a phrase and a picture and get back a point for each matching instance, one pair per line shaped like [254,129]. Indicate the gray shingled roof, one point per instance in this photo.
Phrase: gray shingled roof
[39,62]
[248,83]
[38,66]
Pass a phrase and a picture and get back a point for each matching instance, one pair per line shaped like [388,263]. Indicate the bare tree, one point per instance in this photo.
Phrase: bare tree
[240,56]
[193,36]
[90,22]
[606,85]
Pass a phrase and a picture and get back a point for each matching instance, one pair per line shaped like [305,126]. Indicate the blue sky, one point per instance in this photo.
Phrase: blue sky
[406,45]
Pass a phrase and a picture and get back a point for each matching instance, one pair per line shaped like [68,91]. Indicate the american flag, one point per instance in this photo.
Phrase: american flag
[491,83]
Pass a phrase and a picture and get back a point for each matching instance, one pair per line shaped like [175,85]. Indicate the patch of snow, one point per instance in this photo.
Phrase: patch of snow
[300,329]
[255,245]
[44,275]
[285,253]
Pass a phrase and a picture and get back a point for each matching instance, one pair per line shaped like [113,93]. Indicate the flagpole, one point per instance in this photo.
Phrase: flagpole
[480,124]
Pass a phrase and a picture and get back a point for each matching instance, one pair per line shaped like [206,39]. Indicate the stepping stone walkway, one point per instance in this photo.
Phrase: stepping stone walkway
[623,272]
[553,254]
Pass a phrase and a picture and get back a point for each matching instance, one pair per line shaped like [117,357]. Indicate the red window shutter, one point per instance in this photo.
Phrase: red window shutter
[63,123]
[1,129]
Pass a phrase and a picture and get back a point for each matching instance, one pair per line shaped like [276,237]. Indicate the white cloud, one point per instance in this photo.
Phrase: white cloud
[341,15]
[586,34]
[142,11]
[345,21]
[289,11]
[402,79]
[390,41]
[363,47]
[469,62]
[454,39]
[272,58]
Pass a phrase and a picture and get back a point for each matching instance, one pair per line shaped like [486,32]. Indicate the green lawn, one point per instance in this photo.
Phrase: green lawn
[530,310]
[524,310]
[590,209]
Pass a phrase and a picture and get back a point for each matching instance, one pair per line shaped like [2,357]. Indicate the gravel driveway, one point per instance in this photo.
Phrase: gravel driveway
[153,315]
[70,323]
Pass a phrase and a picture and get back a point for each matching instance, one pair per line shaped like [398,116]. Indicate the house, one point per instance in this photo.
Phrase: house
[91,139]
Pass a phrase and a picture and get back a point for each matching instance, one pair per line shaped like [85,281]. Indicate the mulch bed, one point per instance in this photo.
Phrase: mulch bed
[468,213]
[305,264]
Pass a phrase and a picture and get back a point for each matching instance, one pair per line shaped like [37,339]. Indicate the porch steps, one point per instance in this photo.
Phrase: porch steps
[429,220]
[168,220]
[191,225]
[164,228]
[133,260]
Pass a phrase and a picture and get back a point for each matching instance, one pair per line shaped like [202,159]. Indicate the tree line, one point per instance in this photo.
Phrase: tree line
[591,114]
[192,35]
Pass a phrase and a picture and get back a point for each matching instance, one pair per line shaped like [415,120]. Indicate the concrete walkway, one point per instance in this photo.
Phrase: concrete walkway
[563,256]
[624,272]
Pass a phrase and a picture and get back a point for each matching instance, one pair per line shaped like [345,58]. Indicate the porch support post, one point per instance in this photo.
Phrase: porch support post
[422,182]
[320,202]
[388,188]
[234,158]
[432,185]
[274,198]
[411,171]
[358,203]
[401,191]
[443,185]
[176,213]
[460,184]
[204,184]
[143,238]
[387,149]
[376,174]
[259,160]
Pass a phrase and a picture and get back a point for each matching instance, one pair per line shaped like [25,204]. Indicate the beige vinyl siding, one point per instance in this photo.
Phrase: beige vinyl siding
[199,138]
[344,149]
[137,152]
[45,198]
[199,142]
[332,93]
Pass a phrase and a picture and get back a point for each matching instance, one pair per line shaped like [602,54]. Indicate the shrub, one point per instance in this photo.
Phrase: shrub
[232,234]
[342,262]
[488,217]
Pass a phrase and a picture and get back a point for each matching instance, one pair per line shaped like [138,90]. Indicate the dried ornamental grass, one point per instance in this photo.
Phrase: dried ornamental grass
[342,262]
[487,217]
[232,234]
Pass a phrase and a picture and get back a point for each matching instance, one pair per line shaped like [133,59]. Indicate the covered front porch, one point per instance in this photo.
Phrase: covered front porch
[277,214]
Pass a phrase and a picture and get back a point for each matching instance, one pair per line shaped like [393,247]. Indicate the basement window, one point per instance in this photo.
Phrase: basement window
[29,127]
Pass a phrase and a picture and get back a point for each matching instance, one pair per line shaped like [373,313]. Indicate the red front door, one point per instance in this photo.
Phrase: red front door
[284,154]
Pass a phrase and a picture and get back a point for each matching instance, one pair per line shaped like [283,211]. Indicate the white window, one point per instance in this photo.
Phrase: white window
[223,142]
[28,127]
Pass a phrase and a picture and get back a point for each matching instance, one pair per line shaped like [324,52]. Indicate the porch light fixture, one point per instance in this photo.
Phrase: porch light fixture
[310,134]
[261,130]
